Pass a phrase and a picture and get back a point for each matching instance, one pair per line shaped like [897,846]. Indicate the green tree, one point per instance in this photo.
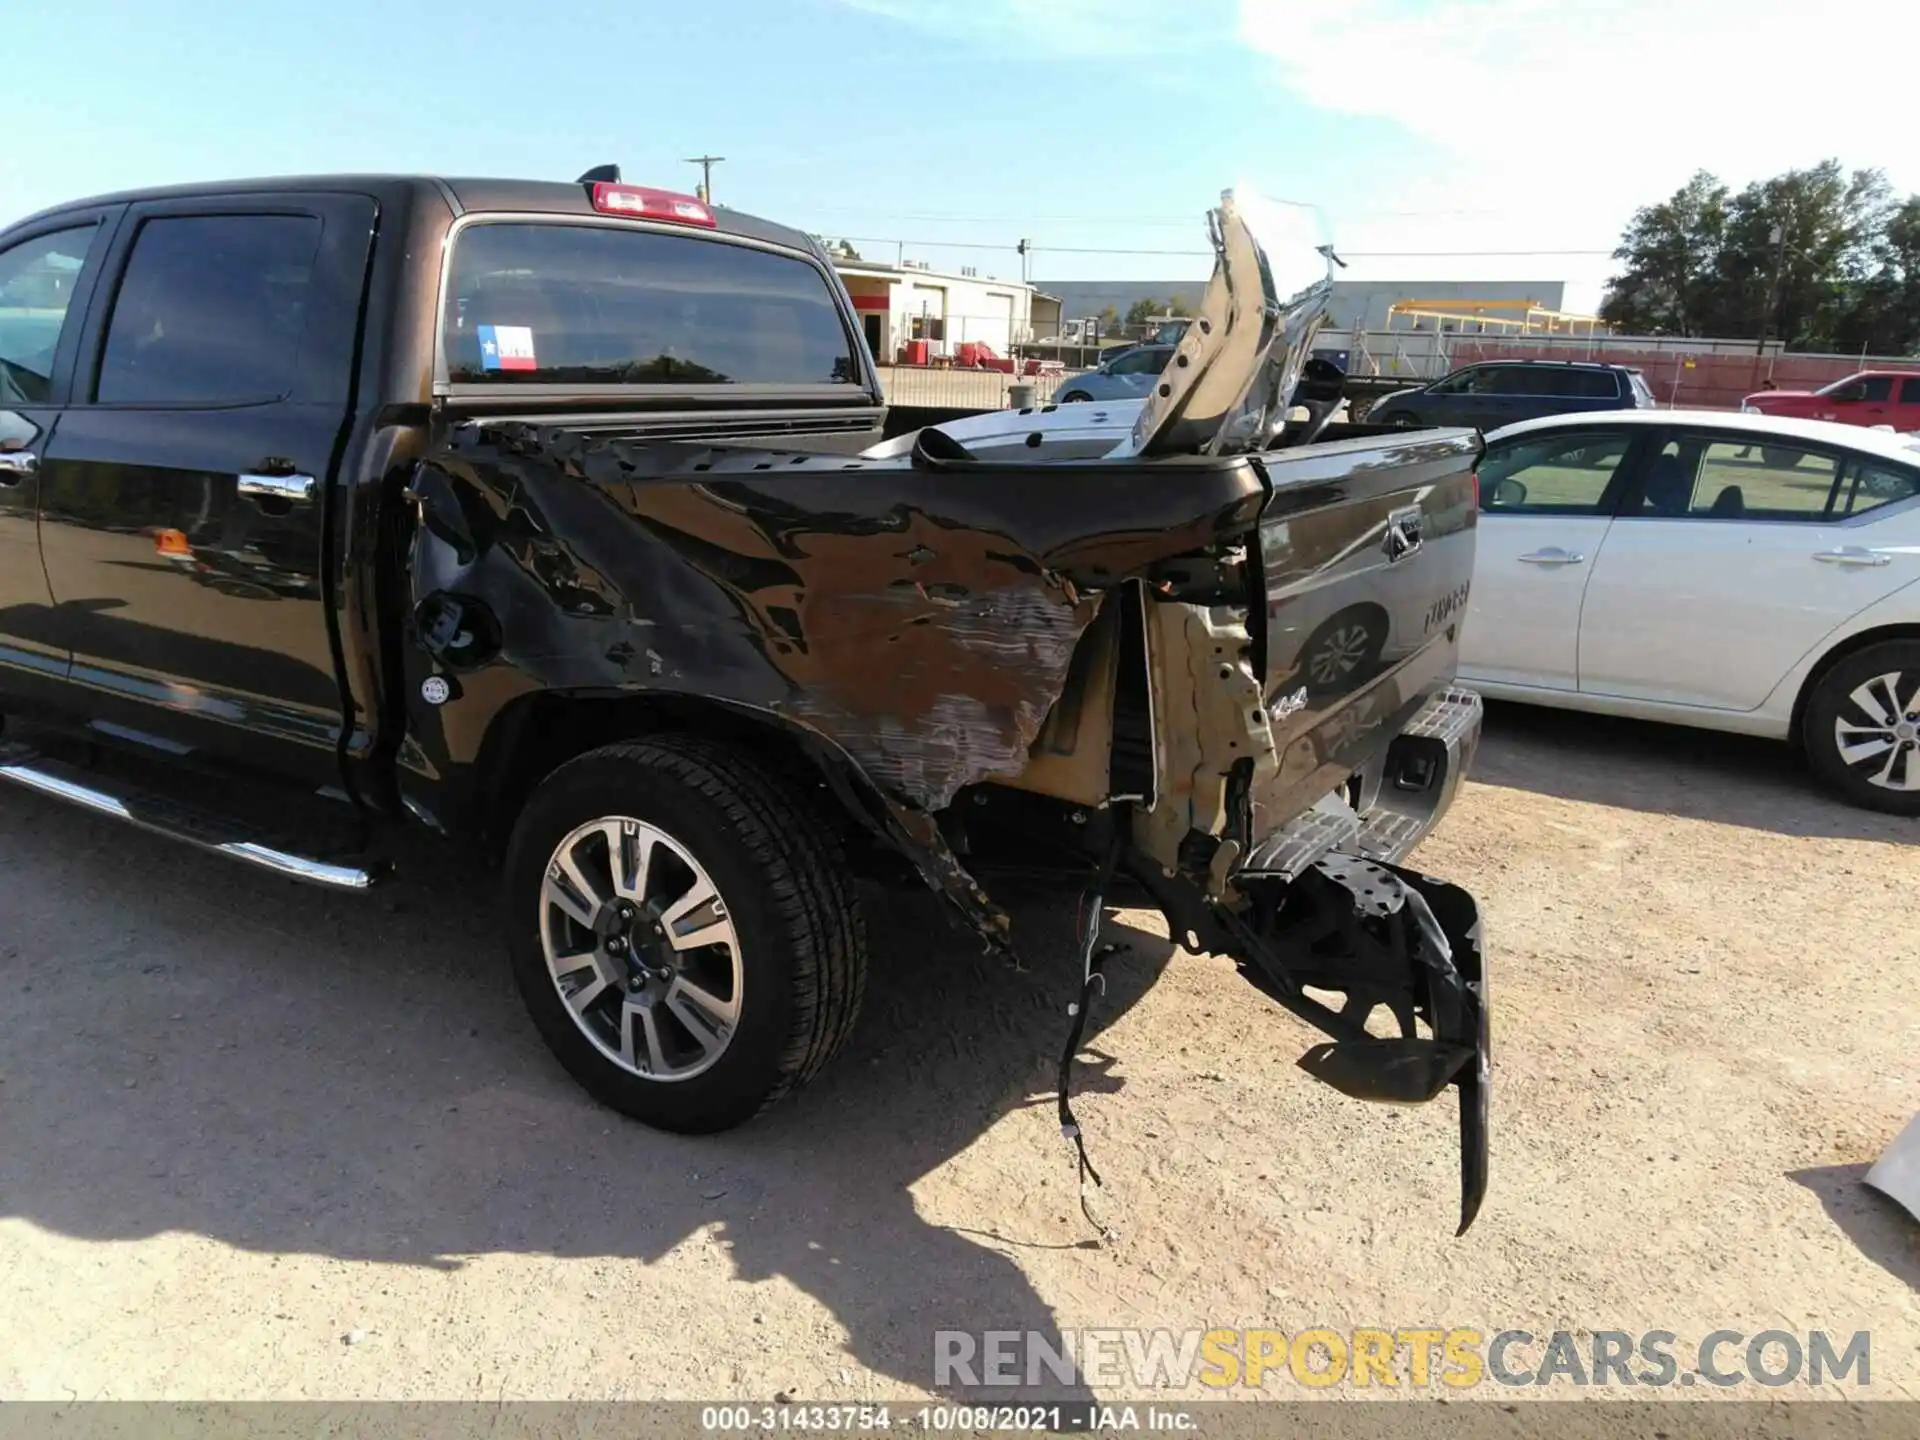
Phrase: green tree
[1671,253]
[1178,306]
[1142,310]
[1884,318]
[1830,224]
[1810,257]
[1109,321]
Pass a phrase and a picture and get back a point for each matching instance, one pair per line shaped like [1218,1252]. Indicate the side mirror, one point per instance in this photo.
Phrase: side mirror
[1507,494]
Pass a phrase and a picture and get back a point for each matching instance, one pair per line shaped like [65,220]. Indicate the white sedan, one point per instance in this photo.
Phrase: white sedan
[1734,572]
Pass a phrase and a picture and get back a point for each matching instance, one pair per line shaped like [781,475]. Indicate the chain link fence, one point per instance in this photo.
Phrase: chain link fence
[951,389]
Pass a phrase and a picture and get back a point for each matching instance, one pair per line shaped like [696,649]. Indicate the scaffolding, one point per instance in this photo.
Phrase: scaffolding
[1496,317]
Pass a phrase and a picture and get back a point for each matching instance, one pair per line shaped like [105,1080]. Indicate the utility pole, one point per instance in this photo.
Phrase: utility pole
[1776,237]
[706,164]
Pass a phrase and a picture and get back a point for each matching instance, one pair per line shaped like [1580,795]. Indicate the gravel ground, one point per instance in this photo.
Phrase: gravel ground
[258,1141]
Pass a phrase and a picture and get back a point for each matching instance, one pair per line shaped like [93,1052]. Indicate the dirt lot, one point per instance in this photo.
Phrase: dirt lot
[258,1141]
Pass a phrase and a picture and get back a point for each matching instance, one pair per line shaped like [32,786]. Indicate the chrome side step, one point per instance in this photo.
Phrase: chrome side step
[32,771]
[1407,791]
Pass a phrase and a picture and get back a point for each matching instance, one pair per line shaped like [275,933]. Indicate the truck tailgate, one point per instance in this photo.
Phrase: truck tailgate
[1365,559]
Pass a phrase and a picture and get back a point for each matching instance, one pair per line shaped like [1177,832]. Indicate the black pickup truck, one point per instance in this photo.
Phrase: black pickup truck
[560,520]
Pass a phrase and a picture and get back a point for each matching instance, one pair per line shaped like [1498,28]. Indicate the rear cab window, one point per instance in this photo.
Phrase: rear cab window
[542,300]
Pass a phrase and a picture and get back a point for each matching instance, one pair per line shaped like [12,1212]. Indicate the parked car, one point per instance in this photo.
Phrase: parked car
[1167,333]
[1872,398]
[1120,377]
[550,519]
[1733,572]
[1503,392]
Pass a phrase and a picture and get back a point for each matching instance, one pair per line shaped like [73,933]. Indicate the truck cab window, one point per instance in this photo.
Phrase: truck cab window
[37,278]
[211,311]
[552,303]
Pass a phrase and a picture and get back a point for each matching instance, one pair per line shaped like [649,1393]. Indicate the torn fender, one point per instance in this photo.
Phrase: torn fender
[920,617]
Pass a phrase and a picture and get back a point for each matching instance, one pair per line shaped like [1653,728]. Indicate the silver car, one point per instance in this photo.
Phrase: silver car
[1128,376]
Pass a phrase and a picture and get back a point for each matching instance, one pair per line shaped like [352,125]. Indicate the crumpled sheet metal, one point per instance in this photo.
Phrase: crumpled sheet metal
[921,621]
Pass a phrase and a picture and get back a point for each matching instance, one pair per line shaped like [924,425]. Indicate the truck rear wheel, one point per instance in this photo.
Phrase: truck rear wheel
[683,930]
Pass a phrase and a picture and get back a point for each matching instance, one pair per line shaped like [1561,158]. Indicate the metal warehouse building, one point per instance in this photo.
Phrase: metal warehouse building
[910,304]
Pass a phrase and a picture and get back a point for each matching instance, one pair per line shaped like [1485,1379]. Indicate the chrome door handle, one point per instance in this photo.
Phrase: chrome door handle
[1852,555]
[277,487]
[16,465]
[1553,555]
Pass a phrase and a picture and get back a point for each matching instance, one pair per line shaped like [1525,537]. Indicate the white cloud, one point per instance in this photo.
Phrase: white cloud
[1560,116]
[1069,29]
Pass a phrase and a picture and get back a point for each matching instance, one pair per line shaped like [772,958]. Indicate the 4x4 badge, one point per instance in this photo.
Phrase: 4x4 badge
[1288,705]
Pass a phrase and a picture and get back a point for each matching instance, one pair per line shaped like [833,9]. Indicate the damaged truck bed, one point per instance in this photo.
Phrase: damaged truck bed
[688,670]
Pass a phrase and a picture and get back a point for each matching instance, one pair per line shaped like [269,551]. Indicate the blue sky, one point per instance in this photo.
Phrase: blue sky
[1438,138]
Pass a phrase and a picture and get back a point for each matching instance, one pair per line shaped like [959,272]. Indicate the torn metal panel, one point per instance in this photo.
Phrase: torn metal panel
[1207,708]
[922,619]
[1071,758]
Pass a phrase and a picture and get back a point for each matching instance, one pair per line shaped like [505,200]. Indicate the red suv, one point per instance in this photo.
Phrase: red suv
[1873,397]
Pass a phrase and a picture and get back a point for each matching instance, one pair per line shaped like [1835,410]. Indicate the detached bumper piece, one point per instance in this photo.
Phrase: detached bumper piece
[1396,945]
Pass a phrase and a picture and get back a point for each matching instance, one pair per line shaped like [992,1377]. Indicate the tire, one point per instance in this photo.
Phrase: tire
[1074,396]
[1850,710]
[779,988]
[1778,459]
[1403,418]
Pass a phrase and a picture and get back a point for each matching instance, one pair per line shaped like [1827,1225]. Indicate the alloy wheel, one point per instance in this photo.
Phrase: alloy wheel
[1877,732]
[641,947]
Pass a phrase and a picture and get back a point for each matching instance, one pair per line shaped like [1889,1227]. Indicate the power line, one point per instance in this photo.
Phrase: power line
[1454,254]
[1111,218]
[1039,247]
[925,244]
[1103,250]
[1344,254]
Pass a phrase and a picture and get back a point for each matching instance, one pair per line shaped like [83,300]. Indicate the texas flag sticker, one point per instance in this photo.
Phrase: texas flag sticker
[506,347]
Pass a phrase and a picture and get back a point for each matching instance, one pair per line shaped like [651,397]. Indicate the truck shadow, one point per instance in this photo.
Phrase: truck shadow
[1668,770]
[289,1071]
